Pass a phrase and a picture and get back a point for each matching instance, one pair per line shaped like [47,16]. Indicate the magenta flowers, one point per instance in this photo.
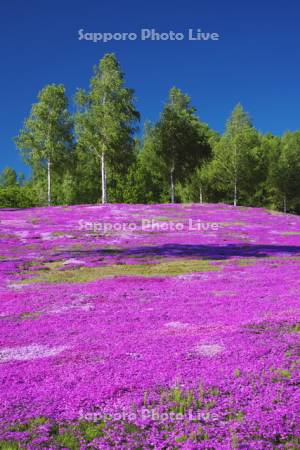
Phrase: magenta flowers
[144,337]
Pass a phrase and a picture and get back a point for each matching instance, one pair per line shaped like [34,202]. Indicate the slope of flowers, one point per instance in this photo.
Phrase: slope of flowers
[118,334]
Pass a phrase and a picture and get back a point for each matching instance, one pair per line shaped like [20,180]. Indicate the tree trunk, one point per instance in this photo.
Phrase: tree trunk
[103,167]
[103,178]
[235,193]
[200,195]
[284,204]
[235,175]
[49,181]
[172,186]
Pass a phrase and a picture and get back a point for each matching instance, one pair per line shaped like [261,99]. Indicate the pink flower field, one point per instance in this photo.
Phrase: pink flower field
[118,334]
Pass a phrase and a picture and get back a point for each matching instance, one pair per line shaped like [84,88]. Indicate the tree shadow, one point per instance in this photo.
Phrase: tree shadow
[197,251]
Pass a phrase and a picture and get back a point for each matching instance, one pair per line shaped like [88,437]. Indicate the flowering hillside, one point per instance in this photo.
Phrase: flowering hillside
[149,327]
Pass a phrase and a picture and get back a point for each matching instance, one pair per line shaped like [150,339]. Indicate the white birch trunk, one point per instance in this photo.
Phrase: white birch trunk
[172,187]
[284,204]
[235,176]
[235,193]
[200,195]
[103,178]
[103,167]
[49,181]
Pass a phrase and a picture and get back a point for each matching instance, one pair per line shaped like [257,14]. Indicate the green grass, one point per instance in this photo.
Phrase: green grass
[281,375]
[77,247]
[229,224]
[91,431]
[131,428]
[54,264]
[74,435]
[86,274]
[291,233]
[182,438]
[31,246]
[68,440]
[29,425]
[9,445]
[162,219]
[248,261]
[296,328]
[30,315]
[36,421]
[237,373]
[183,400]
[243,262]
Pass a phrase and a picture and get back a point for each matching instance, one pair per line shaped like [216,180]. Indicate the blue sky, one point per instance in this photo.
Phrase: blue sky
[255,62]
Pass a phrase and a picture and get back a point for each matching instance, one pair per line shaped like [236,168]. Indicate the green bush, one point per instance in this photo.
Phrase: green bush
[17,197]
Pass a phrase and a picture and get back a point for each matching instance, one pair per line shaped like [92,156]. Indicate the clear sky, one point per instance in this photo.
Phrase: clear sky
[256,61]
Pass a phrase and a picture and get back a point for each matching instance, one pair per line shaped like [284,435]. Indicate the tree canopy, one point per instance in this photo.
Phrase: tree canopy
[95,154]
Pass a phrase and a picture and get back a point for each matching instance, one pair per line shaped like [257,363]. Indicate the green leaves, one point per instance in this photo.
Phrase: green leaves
[47,132]
[235,156]
[179,141]
[8,178]
[178,153]
[107,118]
[106,112]
[46,138]
[285,169]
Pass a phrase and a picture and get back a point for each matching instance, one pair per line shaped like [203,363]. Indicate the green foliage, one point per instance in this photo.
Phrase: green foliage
[284,171]
[106,121]
[179,157]
[17,197]
[47,130]
[178,142]
[235,157]
[147,180]
[46,138]
[8,178]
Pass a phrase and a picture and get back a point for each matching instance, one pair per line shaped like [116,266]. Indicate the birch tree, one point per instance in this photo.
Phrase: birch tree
[47,132]
[235,154]
[106,118]
[238,123]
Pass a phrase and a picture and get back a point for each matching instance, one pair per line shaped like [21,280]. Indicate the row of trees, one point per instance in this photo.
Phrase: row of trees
[93,154]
